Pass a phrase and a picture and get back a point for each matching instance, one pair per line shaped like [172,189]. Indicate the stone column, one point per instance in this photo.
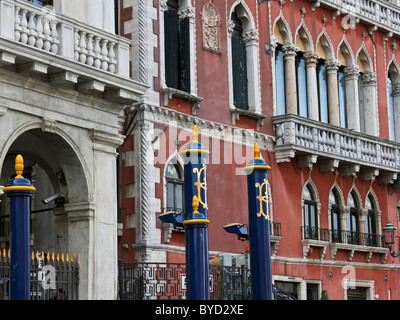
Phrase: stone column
[254,99]
[311,60]
[351,74]
[370,107]
[289,53]
[332,67]
[396,107]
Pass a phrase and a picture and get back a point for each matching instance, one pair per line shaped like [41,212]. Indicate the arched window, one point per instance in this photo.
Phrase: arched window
[174,184]
[335,216]
[177,47]
[322,79]
[301,76]
[370,225]
[352,219]
[392,125]
[239,65]
[280,81]
[310,214]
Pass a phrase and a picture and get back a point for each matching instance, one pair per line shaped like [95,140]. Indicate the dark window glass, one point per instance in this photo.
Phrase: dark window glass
[239,65]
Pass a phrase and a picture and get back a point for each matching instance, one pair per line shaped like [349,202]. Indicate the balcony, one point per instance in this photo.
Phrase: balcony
[350,241]
[376,14]
[36,41]
[311,140]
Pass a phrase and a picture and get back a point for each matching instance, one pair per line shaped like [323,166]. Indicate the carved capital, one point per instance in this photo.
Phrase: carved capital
[352,70]
[332,65]
[250,37]
[290,51]
[369,79]
[311,58]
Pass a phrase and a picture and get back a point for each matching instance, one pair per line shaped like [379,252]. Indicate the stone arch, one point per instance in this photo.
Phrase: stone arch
[325,47]
[357,197]
[282,31]
[374,198]
[394,70]
[244,14]
[303,36]
[345,53]
[364,60]
[339,192]
[52,151]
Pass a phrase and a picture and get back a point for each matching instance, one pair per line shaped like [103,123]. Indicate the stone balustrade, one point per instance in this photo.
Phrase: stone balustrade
[379,13]
[45,30]
[306,138]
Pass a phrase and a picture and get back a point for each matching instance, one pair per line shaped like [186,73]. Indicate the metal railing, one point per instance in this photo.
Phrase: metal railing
[62,285]
[166,281]
[315,233]
[357,238]
[342,236]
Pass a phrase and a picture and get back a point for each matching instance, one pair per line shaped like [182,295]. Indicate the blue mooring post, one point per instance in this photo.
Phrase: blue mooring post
[259,227]
[196,221]
[20,191]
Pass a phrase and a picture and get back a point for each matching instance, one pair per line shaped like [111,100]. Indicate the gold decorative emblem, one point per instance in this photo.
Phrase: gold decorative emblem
[263,198]
[201,185]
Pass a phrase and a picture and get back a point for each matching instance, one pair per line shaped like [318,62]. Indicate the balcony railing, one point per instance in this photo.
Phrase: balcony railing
[315,233]
[304,137]
[41,41]
[382,14]
[342,236]
[357,238]
[51,32]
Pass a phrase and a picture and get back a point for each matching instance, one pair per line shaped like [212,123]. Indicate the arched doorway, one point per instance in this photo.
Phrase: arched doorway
[54,167]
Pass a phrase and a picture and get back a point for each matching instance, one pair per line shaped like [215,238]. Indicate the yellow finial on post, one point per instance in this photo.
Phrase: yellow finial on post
[195,134]
[256,151]
[19,166]
[195,204]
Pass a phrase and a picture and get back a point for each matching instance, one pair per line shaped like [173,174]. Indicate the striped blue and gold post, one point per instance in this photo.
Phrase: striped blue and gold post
[196,221]
[259,227]
[20,191]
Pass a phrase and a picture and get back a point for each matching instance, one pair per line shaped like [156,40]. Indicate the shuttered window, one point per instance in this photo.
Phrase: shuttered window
[177,48]
[239,65]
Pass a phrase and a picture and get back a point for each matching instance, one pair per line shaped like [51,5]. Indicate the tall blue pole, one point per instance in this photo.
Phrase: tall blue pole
[196,221]
[20,191]
[259,227]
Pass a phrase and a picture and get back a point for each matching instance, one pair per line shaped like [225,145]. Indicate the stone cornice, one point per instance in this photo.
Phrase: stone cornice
[207,128]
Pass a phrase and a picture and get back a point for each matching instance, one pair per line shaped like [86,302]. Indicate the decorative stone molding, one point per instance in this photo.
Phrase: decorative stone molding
[188,12]
[170,92]
[211,129]
[250,37]
[311,58]
[236,113]
[369,79]
[211,27]
[332,65]
[352,70]
[290,51]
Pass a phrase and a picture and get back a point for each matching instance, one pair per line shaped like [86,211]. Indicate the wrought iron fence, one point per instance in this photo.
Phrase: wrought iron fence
[357,238]
[166,281]
[61,279]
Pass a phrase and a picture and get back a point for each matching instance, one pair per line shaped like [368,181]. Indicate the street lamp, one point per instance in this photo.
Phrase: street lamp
[389,237]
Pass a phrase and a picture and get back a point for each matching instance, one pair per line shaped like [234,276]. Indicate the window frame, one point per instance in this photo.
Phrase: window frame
[310,214]
[175,182]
